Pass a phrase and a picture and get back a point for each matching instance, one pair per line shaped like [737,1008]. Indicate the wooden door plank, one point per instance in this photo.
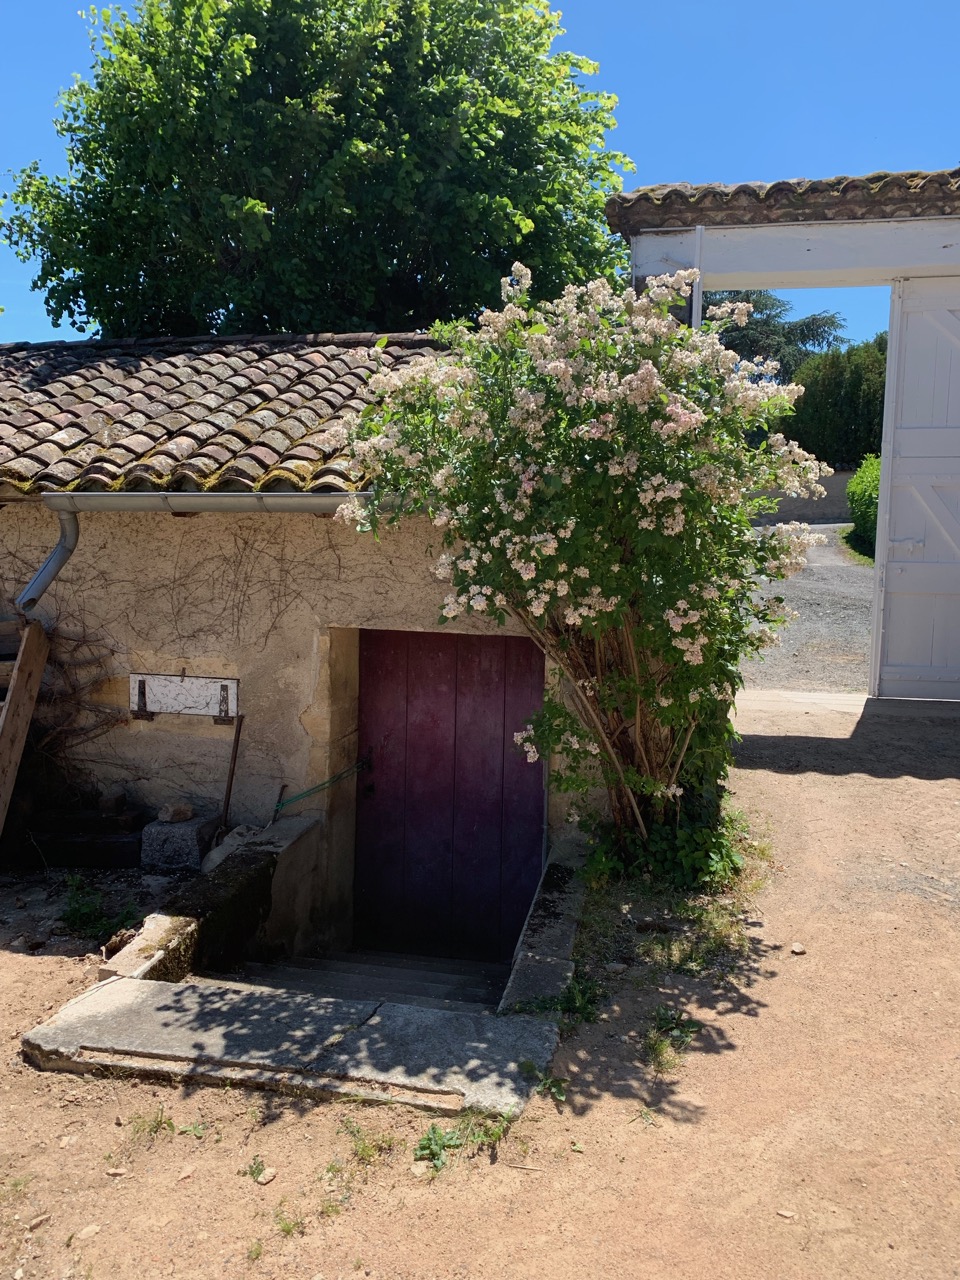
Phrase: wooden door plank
[479,795]
[524,797]
[381,793]
[17,710]
[428,838]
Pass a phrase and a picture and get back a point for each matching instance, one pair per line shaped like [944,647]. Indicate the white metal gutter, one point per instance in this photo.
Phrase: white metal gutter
[68,506]
[189,503]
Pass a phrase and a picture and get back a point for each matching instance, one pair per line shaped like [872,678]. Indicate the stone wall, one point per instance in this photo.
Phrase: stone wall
[833,509]
[274,601]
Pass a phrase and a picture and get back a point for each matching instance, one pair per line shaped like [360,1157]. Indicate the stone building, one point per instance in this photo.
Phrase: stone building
[210,581]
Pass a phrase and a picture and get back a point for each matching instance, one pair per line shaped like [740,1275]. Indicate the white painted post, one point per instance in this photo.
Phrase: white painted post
[890,395]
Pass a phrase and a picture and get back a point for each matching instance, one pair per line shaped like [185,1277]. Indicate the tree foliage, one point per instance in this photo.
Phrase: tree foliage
[770,334]
[840,414]
[588,463]
[309,165]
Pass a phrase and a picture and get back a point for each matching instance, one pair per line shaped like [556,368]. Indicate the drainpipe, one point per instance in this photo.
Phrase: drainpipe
[29,597]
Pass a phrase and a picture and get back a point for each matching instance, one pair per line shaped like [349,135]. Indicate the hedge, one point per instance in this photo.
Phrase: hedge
[863,494]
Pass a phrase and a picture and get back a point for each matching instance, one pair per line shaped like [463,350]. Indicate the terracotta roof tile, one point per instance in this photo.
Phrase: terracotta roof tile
[914,194]
[224,413]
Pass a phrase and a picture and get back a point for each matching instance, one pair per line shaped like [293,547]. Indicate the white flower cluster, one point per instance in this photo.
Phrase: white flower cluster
[786,546]
[524,739]
[682,620]
[795,471]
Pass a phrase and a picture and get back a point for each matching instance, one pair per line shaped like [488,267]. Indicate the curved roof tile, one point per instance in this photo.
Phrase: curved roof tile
[170,413]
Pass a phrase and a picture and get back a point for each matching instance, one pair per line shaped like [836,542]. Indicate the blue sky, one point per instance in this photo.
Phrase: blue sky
[708,92]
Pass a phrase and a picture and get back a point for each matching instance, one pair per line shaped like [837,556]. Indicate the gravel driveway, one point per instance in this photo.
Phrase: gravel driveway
[828,645]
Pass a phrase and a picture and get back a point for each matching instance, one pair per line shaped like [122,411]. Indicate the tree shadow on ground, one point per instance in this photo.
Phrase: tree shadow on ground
[887,742]
[609,1058]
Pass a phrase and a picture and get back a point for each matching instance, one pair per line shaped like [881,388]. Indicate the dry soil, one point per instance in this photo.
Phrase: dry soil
[811,1133]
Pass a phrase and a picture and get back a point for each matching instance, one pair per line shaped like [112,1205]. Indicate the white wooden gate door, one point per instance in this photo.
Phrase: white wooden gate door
[918,542]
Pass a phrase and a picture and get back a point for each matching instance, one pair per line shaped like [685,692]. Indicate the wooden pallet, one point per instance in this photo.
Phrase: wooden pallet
[23,656]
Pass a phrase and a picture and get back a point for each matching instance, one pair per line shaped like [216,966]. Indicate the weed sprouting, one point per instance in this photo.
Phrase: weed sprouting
[255,1252]
[576,1004]
[85,915]
[671,1033]
[289,1224]
[435,1144]
[150,1126]
[254,1169]
[547,1086]
[481,1132]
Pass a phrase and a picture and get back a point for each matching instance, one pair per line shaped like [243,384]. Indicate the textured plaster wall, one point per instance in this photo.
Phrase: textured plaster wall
[273,600]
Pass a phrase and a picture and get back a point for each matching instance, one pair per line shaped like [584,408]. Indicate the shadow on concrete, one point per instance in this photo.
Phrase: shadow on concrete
[284,1039]
[891,739]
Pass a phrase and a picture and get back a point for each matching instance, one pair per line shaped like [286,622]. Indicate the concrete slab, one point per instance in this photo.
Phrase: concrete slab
[195,1021]
[432,1050]
[291,1040]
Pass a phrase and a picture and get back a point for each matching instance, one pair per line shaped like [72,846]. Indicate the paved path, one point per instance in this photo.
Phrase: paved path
[828,645]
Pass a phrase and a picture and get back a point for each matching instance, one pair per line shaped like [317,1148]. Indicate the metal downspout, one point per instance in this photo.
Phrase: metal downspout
[30,596]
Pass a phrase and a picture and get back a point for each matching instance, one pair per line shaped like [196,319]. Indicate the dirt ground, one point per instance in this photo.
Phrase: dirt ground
[812,1131]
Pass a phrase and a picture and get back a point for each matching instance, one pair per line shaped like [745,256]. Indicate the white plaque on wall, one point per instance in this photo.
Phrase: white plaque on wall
[183,695]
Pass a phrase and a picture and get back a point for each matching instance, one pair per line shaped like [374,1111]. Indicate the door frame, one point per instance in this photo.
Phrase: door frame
[545,793]
[787,255]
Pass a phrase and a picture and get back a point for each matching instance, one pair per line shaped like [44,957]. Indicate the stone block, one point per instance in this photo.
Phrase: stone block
[176,846]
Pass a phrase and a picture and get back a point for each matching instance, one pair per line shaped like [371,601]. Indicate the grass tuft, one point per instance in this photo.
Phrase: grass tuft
[368,1147]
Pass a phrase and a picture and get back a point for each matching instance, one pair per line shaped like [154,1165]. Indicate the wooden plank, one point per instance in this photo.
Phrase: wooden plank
[17,710]
[381,793]
[524,796]
[431,924]
[6,671]
[479,799]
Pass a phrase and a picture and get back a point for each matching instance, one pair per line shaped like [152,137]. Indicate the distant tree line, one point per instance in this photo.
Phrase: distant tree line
[839,417]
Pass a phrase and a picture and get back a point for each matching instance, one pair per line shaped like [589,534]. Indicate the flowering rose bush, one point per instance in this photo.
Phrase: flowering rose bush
[594,466]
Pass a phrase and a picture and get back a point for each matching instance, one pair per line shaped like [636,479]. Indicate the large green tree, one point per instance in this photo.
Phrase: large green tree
[308,165]
[772,333]
[839,417]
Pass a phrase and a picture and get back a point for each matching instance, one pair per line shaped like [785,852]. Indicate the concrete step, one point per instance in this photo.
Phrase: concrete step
[272,1038]
[369,983]
[487,970]
[430,982]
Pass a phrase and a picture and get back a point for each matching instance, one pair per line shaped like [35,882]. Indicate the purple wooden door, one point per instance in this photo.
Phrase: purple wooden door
[450,819]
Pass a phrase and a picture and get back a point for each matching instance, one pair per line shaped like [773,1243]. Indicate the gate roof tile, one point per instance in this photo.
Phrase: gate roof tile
[914,194]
